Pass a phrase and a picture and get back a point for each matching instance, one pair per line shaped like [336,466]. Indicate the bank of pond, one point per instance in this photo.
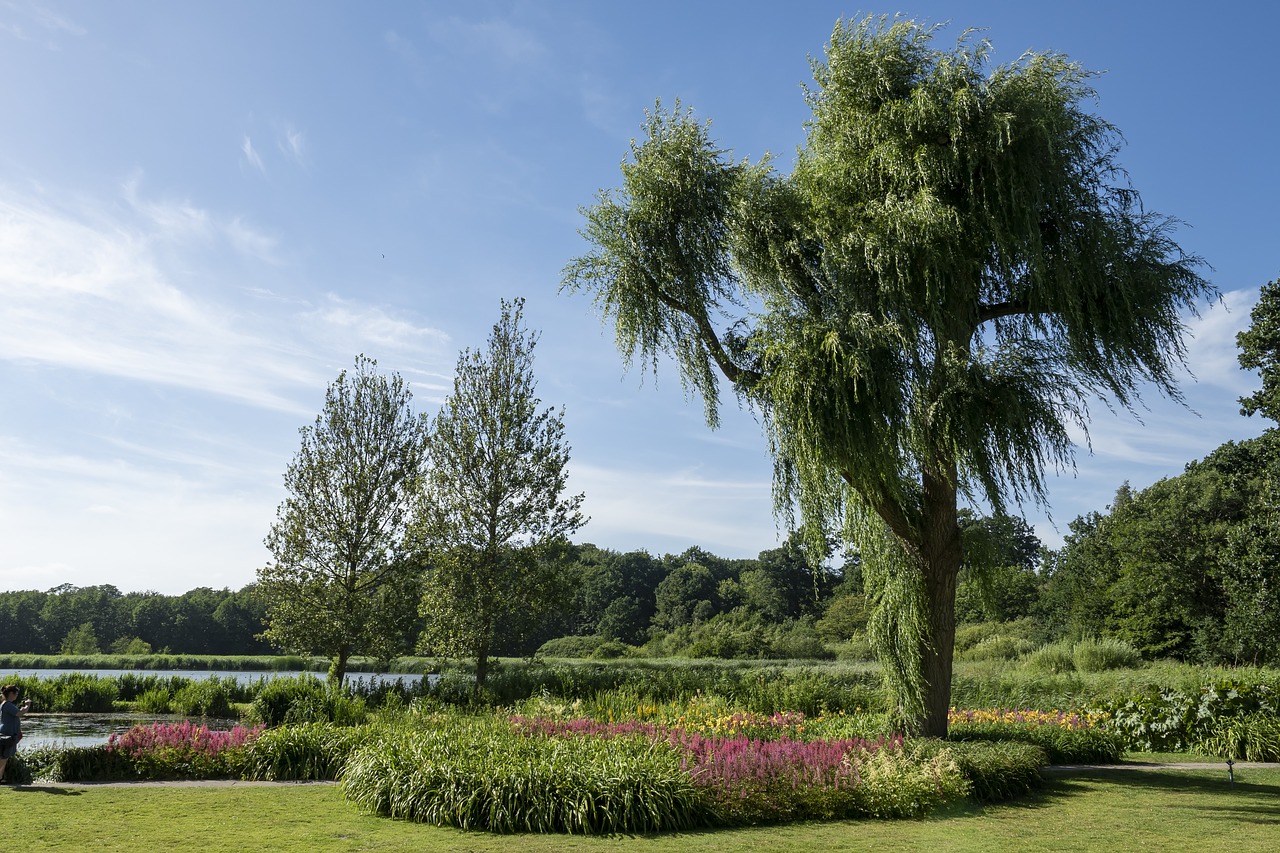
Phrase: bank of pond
[586,747]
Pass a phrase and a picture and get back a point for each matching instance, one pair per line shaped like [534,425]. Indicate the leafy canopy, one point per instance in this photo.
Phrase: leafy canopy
[956,261]
[342,580]
[493,512]
[920,311]
[1260,351]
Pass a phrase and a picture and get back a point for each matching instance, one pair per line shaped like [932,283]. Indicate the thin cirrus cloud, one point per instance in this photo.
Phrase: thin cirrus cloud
[292,143]
[671,509]
[251,155]
[112,295]
[495,39]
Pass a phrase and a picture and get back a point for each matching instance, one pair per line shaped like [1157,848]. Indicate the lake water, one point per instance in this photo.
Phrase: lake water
[240,676]
[39,729]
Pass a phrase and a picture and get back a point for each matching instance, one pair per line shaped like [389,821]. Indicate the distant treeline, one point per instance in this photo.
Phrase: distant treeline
[1188,568]
[91,620]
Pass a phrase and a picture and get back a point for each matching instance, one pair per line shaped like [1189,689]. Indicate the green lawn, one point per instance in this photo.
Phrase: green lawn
[1114,810]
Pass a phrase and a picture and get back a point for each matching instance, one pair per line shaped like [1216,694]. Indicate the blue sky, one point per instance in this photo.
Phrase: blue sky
[208,209]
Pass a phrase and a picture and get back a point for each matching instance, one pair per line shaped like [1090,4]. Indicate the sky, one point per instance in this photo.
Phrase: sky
[208,209]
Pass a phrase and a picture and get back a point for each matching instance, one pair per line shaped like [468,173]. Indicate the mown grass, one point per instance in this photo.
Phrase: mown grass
[1129,810]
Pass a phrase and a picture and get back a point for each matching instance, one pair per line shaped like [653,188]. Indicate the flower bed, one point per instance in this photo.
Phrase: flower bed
[500,774]
[184,750]
[1066,737]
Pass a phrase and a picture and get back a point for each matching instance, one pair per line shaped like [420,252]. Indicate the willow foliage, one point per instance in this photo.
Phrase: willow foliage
[921,310]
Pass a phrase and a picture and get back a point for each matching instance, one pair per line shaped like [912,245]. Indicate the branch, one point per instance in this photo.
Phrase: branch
[1002,309]
[733,372]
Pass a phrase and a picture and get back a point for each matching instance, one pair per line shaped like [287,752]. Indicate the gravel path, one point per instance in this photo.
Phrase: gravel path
[1176,765]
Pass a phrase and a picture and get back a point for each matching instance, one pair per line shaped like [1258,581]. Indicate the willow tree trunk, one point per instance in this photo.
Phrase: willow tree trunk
[942,553]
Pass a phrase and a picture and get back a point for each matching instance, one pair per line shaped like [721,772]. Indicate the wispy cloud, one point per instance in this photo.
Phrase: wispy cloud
[87,291]
[1212,354]
[114,503]
[498,40]
[251,155]
[36,22]
[293,144]
[674,509]
[404,51]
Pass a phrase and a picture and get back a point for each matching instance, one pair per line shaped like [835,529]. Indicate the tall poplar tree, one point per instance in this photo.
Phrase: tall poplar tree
[343,580]
[918,312]
[494,516]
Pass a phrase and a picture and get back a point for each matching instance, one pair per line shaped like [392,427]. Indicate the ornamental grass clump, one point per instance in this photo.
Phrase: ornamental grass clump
[182,751]
[1100,655]
[483,774]
[1253,737]
[997,771]
[304,752]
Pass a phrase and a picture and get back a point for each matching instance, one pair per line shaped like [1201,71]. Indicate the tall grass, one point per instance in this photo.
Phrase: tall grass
[312,751]
[762,689]
[483,775]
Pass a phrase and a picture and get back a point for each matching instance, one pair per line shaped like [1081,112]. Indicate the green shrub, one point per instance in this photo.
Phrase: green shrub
[479,774]
[570,647]
[201,699]
[1100,655]
[610,650]
[1053,658]
[305,699]
[155,701]
[999,648]
[307,752]
[799,641]
[81,694]
[1174,720]
[856,648]
[968,636]
[32,764]
[1061,745]
[89,764]
[1254,737]
[996,770]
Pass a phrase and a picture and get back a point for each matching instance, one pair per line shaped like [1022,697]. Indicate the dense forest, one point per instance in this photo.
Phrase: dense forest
[99,619]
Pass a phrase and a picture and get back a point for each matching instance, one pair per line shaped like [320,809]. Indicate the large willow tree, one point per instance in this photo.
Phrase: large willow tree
[919,311]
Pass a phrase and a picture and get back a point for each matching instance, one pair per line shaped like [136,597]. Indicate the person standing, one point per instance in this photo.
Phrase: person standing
[10,724]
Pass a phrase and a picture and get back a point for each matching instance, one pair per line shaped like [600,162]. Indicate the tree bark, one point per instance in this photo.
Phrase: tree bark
[338,668]
[482,667]
[942,553]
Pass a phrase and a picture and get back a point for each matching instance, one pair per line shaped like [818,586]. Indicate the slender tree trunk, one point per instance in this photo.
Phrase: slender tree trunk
[338,667]
[482,666]
[942,552]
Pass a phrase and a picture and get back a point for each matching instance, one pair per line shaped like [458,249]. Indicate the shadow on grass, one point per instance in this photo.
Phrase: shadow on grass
[47,789]
[1257,803]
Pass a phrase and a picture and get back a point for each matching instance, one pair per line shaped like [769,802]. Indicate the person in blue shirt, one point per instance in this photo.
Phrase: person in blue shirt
[10,724]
